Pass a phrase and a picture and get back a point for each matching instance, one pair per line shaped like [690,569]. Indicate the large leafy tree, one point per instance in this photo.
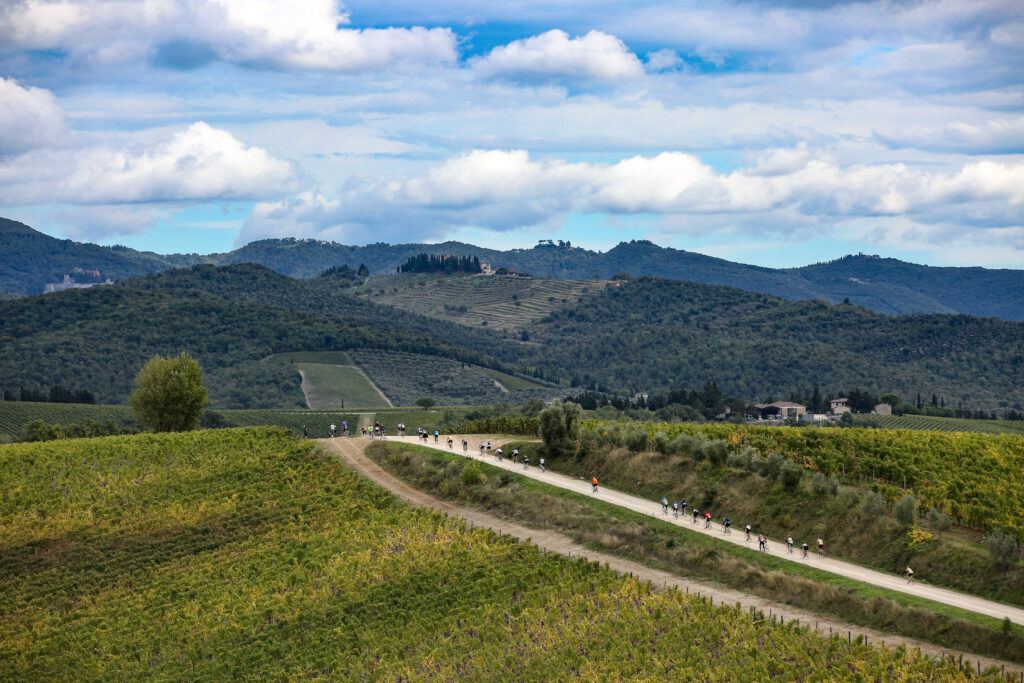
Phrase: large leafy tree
[169,394]
[559,428]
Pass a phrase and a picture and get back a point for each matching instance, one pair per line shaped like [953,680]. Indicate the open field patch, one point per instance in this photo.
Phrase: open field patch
[330,386]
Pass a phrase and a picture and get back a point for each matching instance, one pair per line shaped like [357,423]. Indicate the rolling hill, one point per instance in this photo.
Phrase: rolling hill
[29,259]
[629,335]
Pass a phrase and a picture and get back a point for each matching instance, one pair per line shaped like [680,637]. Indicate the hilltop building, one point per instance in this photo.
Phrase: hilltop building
[783,409]
[839,406]
[69,283]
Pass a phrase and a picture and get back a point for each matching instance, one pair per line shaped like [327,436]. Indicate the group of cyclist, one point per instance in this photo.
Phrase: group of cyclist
[762,540]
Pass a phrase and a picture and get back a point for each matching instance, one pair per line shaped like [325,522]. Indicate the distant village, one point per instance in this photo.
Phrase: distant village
[787,410]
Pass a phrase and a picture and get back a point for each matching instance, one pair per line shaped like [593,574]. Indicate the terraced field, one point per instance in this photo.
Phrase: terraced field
[939,424]
[502,302]
[406,377]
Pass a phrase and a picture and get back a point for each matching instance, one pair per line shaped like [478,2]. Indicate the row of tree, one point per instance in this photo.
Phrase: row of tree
[441,263]
[56,394]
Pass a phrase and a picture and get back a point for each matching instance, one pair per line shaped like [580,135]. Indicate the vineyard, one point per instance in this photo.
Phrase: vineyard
[939,424]
[209,555]
[405,377]
[15,415]
[501,302]
[976,478]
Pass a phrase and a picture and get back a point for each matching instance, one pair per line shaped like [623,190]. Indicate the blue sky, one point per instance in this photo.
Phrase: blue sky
[770,133]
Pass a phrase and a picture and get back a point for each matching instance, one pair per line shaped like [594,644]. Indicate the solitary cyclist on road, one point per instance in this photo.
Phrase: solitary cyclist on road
[909,573]
[594,482]
[821,548]
[542,465]
[465,445]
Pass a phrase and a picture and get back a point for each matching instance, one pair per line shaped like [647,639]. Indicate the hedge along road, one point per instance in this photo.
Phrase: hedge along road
[777,548]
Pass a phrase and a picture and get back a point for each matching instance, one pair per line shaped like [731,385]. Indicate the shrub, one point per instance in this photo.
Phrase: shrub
[559,428]
[819,484]
[939,521]
[169,395]
[661,443]
[1002,545]
[791,476]
[716,451]
[874,504]
[636,440]
[472,474]
[906,510]
[771,467]
[737,461]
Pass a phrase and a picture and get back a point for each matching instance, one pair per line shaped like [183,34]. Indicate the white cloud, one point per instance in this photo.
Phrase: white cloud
[198,163]
[555,56]
[29,117]
[508,189]
[993,136]
[299,35]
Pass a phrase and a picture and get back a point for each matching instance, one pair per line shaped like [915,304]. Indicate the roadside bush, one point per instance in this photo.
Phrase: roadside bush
[716,451]
[737,461]
[939,521]
[906,510]
[874,504]
[771,467]
[472,474]
[636,440]
[819,484]
[791,476]
[661,443]
[1002,545]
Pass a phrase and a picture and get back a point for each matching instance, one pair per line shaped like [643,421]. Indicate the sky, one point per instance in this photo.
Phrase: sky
[778,134]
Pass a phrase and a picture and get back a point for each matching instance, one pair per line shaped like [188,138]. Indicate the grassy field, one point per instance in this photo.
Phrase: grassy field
[330,385]
[215,555]
[939,424]
[330,357]
[658,543]
[511,382]
[501,302]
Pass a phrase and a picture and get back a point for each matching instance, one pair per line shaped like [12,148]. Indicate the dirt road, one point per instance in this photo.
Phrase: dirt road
[351,451]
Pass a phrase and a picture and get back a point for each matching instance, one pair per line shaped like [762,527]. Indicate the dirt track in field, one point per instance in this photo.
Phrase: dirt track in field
[351,451]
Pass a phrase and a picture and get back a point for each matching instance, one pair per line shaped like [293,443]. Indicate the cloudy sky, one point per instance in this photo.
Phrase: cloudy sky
[771,133]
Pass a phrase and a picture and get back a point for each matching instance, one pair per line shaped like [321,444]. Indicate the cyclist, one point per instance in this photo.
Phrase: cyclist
[333,429]
[488,447]
[497,454]
[821,548]
[526,462]
[664,506]
[515,455]
[789,544]
[465,444]
[682,505]
[450,441]
[707,520]
[305,432]
[594,482]
[436,434]
[761,541]
[726,526]
[909,574]
[748,533]
[344,428]
[481,448]
[675,509]
[695,511]
[542,465]
[804,548]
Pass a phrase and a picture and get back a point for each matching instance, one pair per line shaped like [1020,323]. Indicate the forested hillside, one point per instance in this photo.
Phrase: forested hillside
[97,339]
[626,336]
[29,259]
[650,334]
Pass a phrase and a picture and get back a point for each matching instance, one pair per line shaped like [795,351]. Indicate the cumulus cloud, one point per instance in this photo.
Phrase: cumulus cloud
[507,189]
[29,117]
[198,163]
[301,35]
[555,56]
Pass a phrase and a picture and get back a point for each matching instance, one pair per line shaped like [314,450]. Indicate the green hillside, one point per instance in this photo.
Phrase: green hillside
[650,334]
[214,555]
[99,338]
[29,259]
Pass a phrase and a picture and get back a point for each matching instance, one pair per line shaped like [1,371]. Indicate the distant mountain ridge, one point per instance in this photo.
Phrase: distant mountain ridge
[29,259]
